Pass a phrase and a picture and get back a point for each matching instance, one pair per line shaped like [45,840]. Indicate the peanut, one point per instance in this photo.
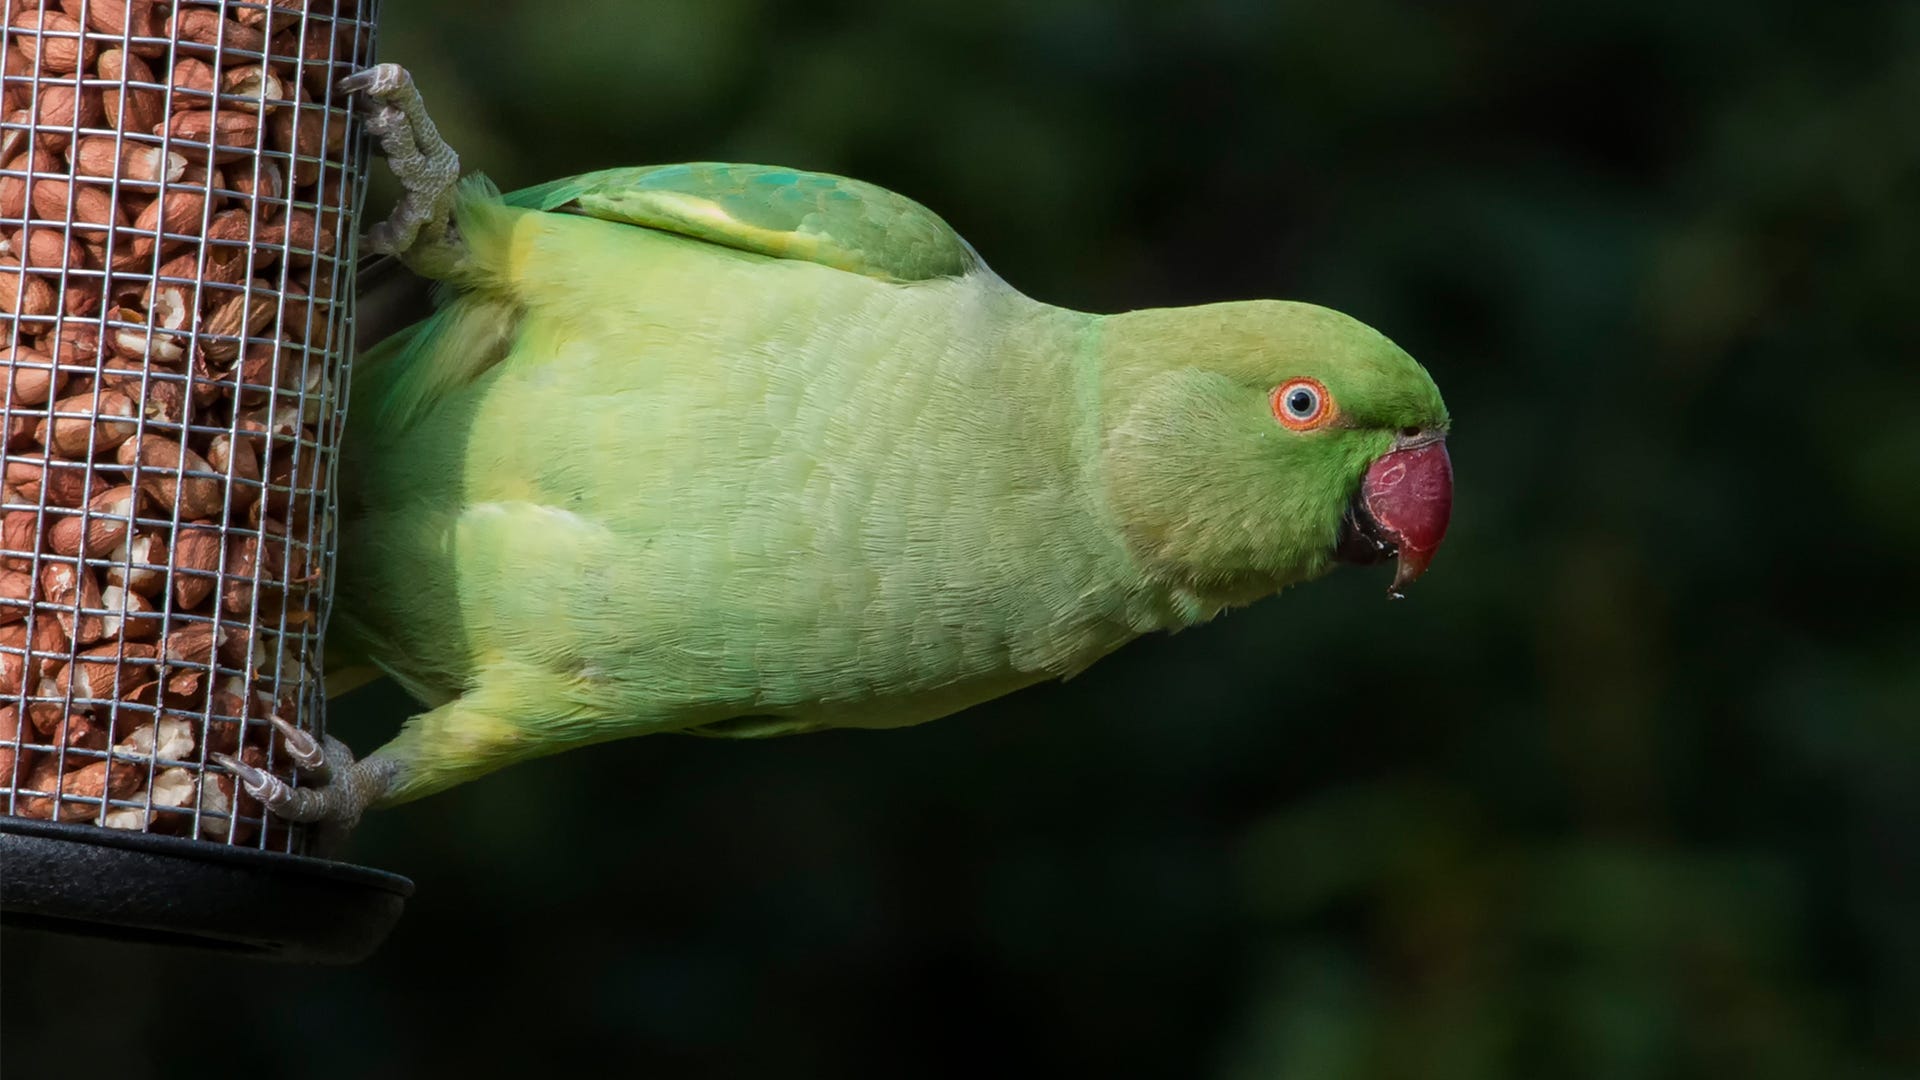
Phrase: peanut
[75,596]
[63,109]
[14,764]
[51,40]
[82,791]
[88,204]
[196,561]
[16,592]
[13,189]
[132,162]
[139,565]
[192,81]
[253,88]
[199,28]
[302,131]
[241,315]
[62,484]
[23,294]
[115,18]
[131,617]
[45,248]
[131,108]
[19,538]
[24,654]
[176,213]
[171,474]
[195,644]
[105,672]
[78,429]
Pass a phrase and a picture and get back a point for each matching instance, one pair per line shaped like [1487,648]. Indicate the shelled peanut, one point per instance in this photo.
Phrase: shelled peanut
[172,191]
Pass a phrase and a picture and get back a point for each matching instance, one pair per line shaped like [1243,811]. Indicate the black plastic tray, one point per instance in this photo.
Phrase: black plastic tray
[80,879]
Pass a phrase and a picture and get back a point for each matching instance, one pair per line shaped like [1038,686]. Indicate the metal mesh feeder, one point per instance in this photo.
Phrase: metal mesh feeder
[179,183]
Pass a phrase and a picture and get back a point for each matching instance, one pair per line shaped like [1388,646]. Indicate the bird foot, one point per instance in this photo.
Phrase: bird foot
[427,168]
[345,787]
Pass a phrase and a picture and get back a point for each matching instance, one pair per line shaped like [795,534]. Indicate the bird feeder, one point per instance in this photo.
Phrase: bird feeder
[179,184]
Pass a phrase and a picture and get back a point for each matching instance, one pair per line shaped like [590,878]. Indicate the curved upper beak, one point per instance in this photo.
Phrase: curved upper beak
[1404,503]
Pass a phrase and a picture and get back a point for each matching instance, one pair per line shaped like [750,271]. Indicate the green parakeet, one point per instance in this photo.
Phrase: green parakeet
[742,451]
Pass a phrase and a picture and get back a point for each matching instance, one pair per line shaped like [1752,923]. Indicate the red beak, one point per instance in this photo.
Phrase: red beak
[1408,495]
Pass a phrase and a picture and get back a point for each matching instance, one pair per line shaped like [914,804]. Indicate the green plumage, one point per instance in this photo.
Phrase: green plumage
[846,224]
[738,450]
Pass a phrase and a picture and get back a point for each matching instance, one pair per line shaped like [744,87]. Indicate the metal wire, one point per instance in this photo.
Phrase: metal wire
[178,186]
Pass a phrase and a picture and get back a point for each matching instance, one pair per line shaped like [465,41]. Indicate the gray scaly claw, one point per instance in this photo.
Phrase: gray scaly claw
[427,168]
[346,788]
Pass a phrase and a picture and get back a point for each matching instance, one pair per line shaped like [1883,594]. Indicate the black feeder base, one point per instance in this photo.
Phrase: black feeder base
[163,890]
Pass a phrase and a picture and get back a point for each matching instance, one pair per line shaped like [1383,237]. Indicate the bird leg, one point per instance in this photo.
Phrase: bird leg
[346,787]
[427,168]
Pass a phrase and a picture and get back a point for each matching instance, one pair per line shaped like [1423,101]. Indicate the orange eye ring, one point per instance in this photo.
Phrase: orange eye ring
[1302,404]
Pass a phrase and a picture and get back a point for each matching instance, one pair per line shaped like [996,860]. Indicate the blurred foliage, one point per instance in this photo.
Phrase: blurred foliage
[1629,788]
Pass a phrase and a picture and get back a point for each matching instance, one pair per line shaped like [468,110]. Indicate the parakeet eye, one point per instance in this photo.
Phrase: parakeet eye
[1302,404]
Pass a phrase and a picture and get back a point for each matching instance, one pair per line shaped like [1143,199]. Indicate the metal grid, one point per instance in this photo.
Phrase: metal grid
[178,183]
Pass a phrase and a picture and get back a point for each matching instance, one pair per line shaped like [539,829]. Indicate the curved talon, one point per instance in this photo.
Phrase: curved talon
[248,774]
[305,750]
[360,81]
[272,792]
[378,79]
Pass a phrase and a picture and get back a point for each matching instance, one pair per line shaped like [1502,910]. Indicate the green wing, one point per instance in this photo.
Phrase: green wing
[780,213]
[846,224]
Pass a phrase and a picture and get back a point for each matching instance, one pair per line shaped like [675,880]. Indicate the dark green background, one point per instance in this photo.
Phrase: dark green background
[1630,787]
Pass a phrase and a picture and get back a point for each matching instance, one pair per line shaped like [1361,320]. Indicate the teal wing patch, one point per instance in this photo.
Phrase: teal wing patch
[782,213]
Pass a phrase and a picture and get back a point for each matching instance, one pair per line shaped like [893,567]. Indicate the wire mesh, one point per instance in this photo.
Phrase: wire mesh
[178,182]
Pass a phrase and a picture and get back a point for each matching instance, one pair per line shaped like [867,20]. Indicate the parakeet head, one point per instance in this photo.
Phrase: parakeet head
[1248,446]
